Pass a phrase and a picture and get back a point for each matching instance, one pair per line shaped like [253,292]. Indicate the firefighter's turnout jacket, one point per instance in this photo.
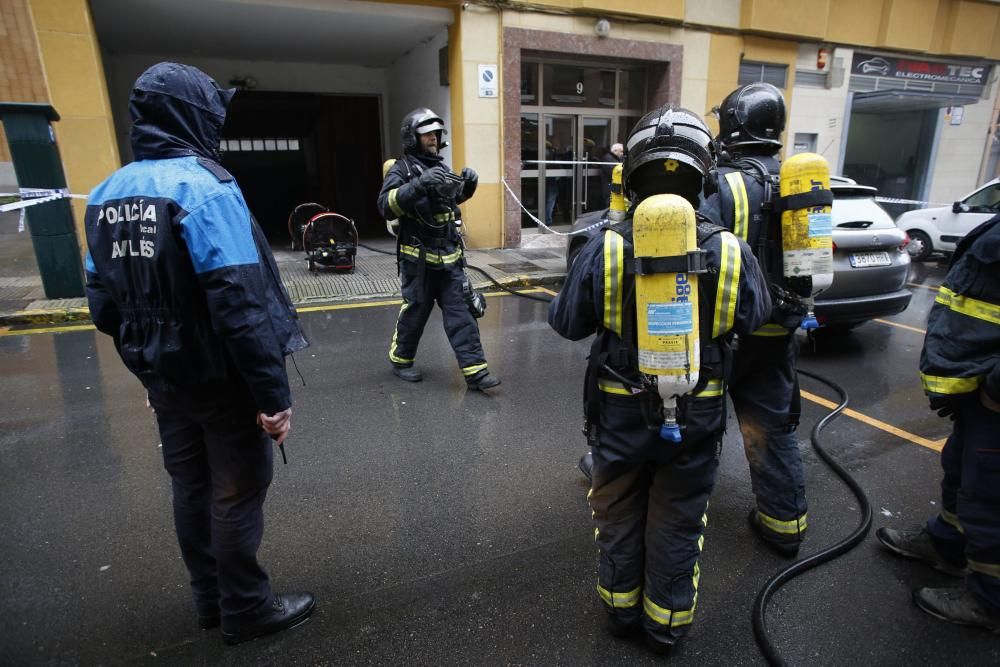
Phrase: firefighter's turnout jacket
[649,497]
[431,264]
[960,359]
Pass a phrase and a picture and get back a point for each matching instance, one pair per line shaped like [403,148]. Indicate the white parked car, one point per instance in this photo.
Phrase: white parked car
[940,229]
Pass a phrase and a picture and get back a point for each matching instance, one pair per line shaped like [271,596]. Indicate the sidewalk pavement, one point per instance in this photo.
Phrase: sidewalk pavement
[541,260]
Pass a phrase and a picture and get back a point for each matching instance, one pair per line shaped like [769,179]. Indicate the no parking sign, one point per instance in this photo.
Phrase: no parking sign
[488,81]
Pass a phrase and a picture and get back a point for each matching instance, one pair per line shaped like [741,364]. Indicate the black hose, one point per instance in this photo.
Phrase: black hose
[384,252]
[798,567]
[534,297]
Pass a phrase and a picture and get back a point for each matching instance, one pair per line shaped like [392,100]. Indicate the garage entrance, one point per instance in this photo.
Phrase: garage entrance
[288,148]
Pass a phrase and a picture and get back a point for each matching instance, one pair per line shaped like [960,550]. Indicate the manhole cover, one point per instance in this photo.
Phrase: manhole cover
[517,267]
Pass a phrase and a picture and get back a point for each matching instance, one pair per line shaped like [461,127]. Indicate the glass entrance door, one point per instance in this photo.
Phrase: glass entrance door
[559,174]
[594,179]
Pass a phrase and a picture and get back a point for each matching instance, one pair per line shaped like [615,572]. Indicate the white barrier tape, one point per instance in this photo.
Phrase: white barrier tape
[32,197]
[590,162]
[542,224]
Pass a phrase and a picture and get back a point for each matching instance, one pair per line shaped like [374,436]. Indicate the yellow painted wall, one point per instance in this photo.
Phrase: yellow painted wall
[802,19]
[664,9]
[908,24]
[844,26]
[723,71]
[71,59]
[972,29]
[477,137]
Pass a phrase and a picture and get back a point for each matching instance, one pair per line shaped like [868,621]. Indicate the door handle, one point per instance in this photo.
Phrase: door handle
[586,181]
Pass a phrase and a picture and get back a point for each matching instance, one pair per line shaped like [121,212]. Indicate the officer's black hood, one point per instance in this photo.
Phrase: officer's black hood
[177,110]
[425,158]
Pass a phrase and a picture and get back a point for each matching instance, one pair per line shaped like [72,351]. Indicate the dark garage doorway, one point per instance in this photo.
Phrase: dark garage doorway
[288,148]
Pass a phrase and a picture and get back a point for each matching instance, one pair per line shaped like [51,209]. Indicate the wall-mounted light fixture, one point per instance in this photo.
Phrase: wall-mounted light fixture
[602,28]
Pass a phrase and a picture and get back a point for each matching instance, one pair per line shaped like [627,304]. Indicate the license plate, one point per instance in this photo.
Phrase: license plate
[861,260]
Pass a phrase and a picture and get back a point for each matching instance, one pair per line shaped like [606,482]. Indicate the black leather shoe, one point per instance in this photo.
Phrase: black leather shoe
[586,465]
[208,621]
[659,646]
[287,611]
[617,628]
[408,373]
[483,381]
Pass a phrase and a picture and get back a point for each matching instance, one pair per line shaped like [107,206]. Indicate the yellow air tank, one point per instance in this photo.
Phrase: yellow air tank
[618,206]
[667,303]
[806,233]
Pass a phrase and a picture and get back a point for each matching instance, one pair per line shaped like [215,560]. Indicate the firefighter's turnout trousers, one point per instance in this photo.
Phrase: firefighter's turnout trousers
[649,499]
[439,280]
[764,390]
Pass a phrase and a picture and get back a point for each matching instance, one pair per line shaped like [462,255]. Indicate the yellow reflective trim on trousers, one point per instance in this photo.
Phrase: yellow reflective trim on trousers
[741,213]
[951,520]
[966,305]
[668,617]
[614,273]
[728,287]
[989,569]
[612,387]
[793,527]
[393,357]
[712,389]
[444,217]
[935,384]
[619,600]
[431,257]
[772,329]
[472,370]
[394,203]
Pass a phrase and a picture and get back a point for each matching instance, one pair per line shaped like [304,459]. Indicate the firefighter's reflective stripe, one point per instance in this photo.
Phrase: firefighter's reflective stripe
[772,329]
[793,527]
[393,357]
[741,213]
[447,216]
[612,387]
[431,257]
[614,276]
[934,384]
[670,617]
[712,389]
[952,520]
[617,600]
[966,305]
[394,203]
[989,569]
[472,370]
[729,283]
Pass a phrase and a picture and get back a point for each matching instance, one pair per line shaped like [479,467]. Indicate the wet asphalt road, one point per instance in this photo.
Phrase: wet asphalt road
[438,526]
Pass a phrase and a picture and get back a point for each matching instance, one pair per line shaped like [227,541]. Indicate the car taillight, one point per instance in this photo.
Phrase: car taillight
[834,245]
[906,242]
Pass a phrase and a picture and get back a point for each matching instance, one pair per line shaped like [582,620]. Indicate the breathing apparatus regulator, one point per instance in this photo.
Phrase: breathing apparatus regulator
[667,264]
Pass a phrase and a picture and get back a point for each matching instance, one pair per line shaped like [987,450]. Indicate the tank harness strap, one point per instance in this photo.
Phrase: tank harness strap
[806,200]
[693,262]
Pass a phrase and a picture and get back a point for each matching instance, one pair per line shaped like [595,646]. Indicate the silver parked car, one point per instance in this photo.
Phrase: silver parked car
[870,261]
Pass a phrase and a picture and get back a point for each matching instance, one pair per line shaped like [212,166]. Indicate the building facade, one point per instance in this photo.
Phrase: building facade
[898,94]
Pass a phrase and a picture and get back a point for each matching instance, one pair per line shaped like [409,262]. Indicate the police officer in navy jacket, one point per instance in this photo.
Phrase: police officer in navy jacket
[181,278]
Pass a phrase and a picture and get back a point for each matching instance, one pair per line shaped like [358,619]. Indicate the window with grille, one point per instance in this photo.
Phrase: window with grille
[772,73]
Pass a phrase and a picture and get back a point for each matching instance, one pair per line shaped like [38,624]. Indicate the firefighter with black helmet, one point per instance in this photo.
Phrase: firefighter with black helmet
[764,388]
[422,192]
[656,442]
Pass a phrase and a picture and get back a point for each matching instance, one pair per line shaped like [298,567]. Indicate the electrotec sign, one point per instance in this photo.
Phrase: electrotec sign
[871,64]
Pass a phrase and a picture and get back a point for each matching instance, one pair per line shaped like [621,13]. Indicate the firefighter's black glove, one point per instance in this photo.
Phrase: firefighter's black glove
[431,180]
[945,406]
[471,179]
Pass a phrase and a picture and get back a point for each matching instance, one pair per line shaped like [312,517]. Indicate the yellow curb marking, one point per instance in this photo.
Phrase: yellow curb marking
[901,326]
[8,331]
[936,445]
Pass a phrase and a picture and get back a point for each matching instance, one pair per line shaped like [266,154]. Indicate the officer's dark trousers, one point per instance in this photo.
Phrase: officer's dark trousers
[220,464]
[649,499]
[762,387]
[969,524]
[443,284]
